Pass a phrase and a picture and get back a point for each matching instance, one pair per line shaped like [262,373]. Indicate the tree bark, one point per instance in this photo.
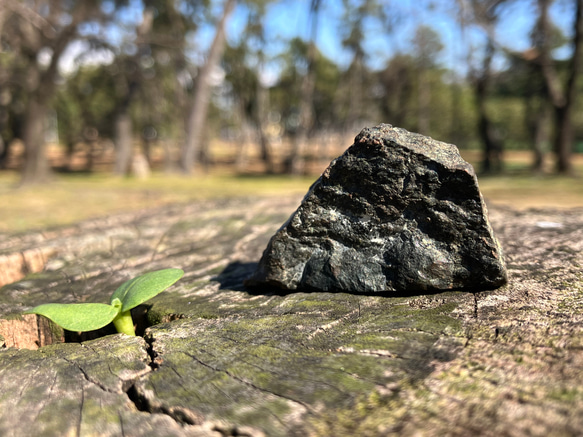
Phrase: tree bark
[492,152]
[540,137]
[123,143]
[262,99]
[199,109]
[3,153]
[245,138]
[36,166]
[131,84]
[41,89]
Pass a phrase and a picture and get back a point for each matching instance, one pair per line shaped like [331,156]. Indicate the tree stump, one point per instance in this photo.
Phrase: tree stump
[217,359]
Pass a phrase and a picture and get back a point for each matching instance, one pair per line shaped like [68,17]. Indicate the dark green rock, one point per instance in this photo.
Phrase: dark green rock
[397,212]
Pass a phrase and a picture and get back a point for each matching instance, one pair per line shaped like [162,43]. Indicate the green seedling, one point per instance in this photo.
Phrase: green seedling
[91,316]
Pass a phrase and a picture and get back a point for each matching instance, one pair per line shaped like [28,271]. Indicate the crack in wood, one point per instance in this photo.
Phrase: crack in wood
[154,361]
[147,404]
[82,403]
[89,379]
[307,407]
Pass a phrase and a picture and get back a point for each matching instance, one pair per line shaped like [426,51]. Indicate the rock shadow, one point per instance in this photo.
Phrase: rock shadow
[235,273]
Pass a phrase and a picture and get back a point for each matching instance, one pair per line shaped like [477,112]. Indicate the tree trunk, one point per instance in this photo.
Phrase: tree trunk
[540,138]
[130,85]
[245,138]
[199,109]
[3,121]
[3,153]
[262,99]
[562,100]
[123,143]
[297,161]
[41,89]
[169,159]
[563,142]
[492,152]
[36,167]
[564,131]
[356,106]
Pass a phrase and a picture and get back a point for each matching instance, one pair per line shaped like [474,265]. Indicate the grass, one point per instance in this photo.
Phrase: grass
[74,197]
[523,192]
[520,189]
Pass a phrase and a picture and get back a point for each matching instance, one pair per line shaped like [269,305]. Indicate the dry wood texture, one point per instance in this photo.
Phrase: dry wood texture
[219,360]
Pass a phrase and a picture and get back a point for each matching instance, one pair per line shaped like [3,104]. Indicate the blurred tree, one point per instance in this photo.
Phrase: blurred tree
[244,64]
[161,74]
[36,36]
[357,79]
[197,116]
[128,83]
[243,83]
[295,162]
[427,47]
[560,87]
[492,161]
[538,106]
[286,94]
[12,108]
[397,95]
[4,100]
[140,91]
[86,107]
[164,104]
[485,13]
[523,82]
[561,96]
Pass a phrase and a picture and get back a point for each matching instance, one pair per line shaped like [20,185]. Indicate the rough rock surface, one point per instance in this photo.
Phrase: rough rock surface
[220,360]
[396,212]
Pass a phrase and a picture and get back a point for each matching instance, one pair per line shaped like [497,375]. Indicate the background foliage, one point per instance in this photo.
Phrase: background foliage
[110,81]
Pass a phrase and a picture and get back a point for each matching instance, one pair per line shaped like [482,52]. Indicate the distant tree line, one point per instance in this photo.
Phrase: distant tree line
[140,78]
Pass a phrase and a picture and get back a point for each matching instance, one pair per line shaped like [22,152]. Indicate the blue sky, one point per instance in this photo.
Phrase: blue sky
[286,19]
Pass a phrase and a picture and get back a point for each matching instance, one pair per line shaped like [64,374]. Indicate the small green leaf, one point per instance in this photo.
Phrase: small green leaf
[77,316]
[138,290]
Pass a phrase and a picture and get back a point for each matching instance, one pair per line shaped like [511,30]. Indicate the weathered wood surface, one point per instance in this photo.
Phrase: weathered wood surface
[226,361]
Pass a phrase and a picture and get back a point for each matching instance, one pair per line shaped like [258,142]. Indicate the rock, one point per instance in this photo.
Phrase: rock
[397,212]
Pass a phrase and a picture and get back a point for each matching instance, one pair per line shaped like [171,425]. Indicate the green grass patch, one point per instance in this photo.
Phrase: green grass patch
[525,191]
[72,198]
